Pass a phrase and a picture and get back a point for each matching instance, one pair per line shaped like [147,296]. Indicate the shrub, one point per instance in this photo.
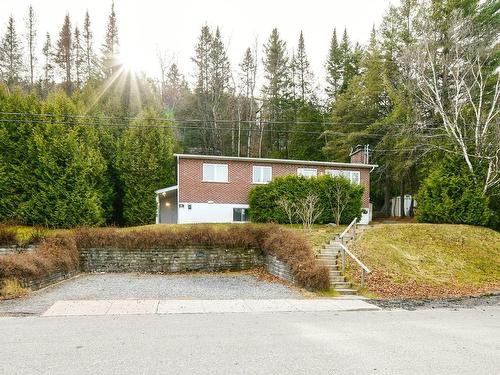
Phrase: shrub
[450,195]
[61,253]
[295,251]
[266,200]
[7,235]
[52,254]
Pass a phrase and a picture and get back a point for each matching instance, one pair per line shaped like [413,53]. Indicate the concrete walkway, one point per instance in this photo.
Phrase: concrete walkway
[139,307]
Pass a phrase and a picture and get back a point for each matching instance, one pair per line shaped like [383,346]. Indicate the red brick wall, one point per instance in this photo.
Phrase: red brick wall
[193,189]
[358,157]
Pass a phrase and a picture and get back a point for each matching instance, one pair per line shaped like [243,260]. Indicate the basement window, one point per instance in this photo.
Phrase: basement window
[215,172]
[240,214]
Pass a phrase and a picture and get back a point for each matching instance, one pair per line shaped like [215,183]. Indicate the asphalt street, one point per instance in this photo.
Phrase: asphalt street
[443,341]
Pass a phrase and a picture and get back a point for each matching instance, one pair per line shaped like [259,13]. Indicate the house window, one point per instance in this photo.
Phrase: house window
[240,214]
[215,172]
[353,176]
[307,172]
[262,175]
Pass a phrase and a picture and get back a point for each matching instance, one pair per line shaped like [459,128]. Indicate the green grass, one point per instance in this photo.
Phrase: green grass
[319,235]
[429,259]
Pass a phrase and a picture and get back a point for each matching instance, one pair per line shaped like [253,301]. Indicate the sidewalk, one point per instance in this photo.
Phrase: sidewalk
[148,307]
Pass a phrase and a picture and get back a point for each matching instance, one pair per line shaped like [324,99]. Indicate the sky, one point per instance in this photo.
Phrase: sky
[149,26]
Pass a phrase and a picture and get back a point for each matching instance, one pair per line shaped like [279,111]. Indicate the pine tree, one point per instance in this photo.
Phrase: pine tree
[333,68]
[48,65]
[175,87]
[11,64]
[31,43]
[220,74]
[304,76]
[201,60]
[63,54]
[78,57]
[89,58]
[111,44]
[276,90]
[349,59]
[248,75]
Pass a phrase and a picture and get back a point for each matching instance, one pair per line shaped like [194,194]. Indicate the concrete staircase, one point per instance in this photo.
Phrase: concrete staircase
[330,256]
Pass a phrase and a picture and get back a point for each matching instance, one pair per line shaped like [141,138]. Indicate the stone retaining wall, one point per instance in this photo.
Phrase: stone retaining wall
[279,269]
[52,278]
[190,258]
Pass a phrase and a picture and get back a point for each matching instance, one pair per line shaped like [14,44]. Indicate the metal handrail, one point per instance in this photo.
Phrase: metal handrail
[364,269]
[346,230]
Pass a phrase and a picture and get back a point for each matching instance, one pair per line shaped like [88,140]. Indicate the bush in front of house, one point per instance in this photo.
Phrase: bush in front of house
[450,195]
[265,200]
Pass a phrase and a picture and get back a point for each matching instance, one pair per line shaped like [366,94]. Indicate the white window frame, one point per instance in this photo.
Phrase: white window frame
[300,172]
[217,178]
[258,171]
[345,173]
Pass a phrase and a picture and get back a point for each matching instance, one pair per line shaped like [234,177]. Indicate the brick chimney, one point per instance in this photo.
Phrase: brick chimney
[360,154]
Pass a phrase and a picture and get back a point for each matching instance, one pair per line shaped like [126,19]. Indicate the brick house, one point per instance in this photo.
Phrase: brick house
[214,189]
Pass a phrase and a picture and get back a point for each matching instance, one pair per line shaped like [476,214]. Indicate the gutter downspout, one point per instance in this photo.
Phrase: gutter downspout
[178,189]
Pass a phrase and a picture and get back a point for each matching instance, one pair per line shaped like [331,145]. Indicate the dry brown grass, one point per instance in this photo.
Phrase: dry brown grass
[11,288]
[52,254]
[290,247]
[428,260]
[61,251]
[7,235]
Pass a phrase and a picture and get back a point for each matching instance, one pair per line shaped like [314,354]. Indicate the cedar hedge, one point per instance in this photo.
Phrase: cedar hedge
[450,194]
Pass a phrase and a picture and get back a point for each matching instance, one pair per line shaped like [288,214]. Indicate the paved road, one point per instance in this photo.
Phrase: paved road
[465,341]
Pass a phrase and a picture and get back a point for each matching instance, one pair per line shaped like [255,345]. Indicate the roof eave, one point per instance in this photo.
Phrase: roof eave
[269,160]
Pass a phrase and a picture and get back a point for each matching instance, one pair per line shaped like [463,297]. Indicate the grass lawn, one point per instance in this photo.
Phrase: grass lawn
[428,260]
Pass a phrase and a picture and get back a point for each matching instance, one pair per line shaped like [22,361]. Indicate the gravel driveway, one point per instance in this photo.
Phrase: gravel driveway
[145,286]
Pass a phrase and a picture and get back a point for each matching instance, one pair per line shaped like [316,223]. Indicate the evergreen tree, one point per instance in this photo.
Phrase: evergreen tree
[333,69]
[64,55]
[31,43]
[89,58]
[276,92]
[48,65]
[111,44]
[247,103]
[220,74]
[175,87]
[68,170]
[304,76]
[11,64]
[145,163]
[78,57]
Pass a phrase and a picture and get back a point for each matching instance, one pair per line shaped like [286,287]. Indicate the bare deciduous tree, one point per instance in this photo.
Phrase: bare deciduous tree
[289,207]
[338,195]
[460,86]
[308,210]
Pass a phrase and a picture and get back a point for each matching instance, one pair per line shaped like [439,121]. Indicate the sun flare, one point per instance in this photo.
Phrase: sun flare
[130,61]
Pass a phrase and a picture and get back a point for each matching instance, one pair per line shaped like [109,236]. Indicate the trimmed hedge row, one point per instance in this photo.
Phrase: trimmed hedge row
[264,199]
